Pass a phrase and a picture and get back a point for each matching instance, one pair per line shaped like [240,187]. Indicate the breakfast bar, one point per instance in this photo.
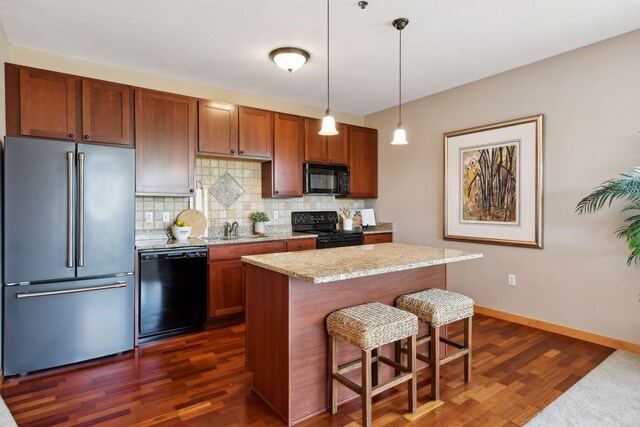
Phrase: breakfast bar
[289,295]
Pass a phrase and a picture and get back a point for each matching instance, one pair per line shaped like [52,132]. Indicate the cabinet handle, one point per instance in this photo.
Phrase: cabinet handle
[233,151]
[241,152]
[86,137]
[72,135]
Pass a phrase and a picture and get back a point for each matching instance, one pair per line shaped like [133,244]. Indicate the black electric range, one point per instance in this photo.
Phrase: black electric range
[324,225]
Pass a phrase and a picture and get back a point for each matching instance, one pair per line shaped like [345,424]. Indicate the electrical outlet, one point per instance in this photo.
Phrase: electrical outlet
[166,217]
[511,279]
[148,217]
[275,214]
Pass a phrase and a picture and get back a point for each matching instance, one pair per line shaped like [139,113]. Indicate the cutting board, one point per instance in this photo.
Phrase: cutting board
[195,219]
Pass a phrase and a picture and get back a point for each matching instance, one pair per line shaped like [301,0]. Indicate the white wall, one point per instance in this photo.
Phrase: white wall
[4,54]
[590,99]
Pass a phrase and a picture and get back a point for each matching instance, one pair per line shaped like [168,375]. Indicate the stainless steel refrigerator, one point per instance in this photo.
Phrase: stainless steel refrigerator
[68,242]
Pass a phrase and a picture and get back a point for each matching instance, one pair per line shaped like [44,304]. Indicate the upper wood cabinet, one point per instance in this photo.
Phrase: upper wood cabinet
[165,129]
[47,104]
[106,112]
[54,105]
[282,177]
[325,149]
[363,162]
[217,129]
[256,132]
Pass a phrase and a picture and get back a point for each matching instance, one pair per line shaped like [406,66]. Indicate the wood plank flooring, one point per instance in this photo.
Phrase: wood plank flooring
[200,380]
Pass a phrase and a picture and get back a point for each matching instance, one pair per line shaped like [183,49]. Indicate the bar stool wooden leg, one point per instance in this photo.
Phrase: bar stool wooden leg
[376,368]
[434,355]
[333,368]
[366,388]
[411,364]
[467,345]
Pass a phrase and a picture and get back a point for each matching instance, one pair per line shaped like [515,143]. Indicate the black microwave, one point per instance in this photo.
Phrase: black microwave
[326,179]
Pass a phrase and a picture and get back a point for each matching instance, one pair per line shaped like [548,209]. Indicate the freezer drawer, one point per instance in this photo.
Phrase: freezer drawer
[55,324]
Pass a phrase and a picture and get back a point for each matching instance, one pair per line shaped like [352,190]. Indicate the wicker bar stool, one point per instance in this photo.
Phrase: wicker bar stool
[438,308]
[370,326]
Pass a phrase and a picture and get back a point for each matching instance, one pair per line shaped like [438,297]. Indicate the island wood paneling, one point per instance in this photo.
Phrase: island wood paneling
[301,307]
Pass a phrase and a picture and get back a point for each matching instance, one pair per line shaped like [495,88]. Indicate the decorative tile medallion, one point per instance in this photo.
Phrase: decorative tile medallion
[226,190]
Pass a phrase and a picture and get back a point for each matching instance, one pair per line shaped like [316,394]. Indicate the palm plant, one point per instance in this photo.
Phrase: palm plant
[626,187]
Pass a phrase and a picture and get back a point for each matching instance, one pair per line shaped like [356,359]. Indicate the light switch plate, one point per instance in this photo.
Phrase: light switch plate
[166,217]
[148,217]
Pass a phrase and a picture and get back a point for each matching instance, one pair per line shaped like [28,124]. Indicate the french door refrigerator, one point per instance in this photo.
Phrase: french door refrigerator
[68,242]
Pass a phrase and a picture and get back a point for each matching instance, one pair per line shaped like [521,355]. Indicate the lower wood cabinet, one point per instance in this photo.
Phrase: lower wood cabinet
[370,239]
[226,275]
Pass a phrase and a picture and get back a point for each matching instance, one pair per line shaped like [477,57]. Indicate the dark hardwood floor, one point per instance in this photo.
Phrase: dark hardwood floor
[200,380]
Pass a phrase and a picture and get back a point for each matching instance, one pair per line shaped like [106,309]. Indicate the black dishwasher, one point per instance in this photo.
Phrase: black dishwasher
[173,292]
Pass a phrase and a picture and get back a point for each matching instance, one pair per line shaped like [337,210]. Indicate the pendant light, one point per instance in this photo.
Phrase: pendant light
[328,122]
[400,136]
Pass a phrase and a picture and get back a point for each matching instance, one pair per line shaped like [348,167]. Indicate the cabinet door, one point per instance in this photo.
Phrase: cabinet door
[256,132]
[315,146]
[363,162]
[217,128]
[165,143]
[226,288]
[287,155]
[370,239]
[337,146]
[106,112]
[47,104]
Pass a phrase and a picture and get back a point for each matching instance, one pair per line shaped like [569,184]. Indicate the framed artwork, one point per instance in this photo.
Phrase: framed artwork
[493,183]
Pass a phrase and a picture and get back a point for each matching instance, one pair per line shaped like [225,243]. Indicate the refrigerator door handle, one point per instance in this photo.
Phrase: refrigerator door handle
[70,167]
[71,291]
[81,210]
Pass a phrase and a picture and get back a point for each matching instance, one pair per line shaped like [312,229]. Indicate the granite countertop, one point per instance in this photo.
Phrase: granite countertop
[148,244]
[381,227]
[335,264]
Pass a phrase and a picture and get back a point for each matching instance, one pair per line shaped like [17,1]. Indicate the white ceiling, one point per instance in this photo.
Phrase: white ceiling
[226,43]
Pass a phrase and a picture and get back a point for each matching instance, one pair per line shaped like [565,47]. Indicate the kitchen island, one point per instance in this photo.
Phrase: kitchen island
[289,295]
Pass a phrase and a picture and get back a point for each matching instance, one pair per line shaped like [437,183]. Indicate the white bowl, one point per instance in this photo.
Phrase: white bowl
[180,233]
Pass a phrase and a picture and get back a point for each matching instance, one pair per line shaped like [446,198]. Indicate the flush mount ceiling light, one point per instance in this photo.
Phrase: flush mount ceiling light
[328,122]
[289,58]
[400,136]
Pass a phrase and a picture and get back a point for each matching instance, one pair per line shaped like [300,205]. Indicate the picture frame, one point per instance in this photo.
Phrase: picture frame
[493,183]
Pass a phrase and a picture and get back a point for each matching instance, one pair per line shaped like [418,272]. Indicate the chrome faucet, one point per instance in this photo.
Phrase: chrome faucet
[226,229]
[234,229]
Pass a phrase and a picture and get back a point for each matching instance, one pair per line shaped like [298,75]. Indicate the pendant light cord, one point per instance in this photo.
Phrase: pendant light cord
[328,91]
[400,85]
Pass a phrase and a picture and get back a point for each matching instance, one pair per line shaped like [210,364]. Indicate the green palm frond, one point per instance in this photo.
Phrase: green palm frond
[628,188]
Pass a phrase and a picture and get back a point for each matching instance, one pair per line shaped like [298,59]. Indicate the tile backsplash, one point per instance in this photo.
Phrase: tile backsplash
[247,174]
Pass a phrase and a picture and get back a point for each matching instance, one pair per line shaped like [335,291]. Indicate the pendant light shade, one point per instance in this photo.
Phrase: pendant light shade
[400,136]
[328,125]
[328,122]
[289,58]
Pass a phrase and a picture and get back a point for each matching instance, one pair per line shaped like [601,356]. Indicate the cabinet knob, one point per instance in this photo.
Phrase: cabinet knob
[241,152]
[86,137]
[276,192]
[72,135]
[191,190]
[233,151]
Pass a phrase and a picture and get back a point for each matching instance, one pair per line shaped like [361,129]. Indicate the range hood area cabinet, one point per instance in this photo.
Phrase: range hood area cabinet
[325,149]
[227,130]
[165,130]
[47,104]
[282,177]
